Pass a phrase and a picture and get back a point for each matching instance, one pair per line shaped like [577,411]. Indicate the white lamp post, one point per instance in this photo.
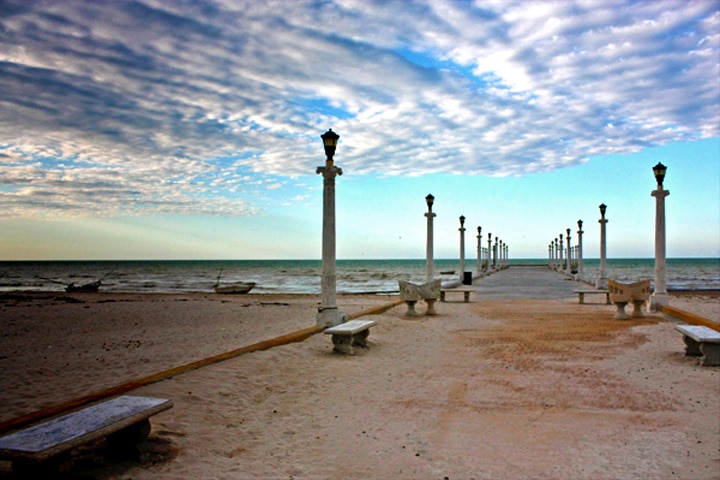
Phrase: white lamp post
[429,262]
[660,296]
[489,254]
[602,282]
[579,250]
[562,252]
[462,247]
[568,261]
[479,251]
[328,313]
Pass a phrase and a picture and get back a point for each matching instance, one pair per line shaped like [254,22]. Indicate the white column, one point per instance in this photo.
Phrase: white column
[489,254]
[579,250]
[479,251]
[561,265]
[660,296]
[462,247]
[328,313]
[602,282]
[495,253]
[569,253]
[429,260]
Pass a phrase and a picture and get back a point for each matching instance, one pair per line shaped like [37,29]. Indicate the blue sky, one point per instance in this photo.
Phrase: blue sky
[190,129]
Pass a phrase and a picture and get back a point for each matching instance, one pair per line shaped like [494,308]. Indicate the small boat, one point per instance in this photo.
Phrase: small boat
[236,288]
[448,272]
[88,287]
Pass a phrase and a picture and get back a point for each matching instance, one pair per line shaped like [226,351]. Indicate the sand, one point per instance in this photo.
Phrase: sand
[517,389]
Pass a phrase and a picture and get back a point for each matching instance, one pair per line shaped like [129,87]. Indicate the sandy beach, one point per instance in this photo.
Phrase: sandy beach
[531,386]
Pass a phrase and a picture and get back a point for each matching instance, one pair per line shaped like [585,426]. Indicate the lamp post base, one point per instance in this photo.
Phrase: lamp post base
[330,317]
[659,300]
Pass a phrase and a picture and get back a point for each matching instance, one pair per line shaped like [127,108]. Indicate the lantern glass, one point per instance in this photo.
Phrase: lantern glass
[330,140]
[430,199]
[659,171]
[603,207]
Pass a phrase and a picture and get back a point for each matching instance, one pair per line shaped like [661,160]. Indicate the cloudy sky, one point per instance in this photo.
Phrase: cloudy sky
[191,129]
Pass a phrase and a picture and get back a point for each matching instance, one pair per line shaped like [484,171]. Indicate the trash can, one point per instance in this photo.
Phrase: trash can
[467,278]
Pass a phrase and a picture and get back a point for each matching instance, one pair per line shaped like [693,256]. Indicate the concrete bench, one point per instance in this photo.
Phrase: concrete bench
[465,291]
[349,334]
[621,294]
[412,293]
[41,448]
[582,293]
[701,341]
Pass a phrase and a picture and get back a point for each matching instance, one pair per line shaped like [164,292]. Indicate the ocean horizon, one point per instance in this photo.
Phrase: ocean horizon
[303,276]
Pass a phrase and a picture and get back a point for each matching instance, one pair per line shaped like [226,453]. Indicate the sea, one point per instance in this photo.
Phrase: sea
[303,276]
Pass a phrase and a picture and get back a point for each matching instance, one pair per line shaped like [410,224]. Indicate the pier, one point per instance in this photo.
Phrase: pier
[525,281]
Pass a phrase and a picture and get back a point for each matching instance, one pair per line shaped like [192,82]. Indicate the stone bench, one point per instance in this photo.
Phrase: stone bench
[701,341]
[582,293]
[40,449]
[621,294]
[349,334]
[412,293]
[466,291]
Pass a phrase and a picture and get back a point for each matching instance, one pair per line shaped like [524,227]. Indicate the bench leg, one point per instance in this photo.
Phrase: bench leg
[466,297]
[620,312]
[442,296]
[711,354]
[360,339]
[582,298]
[692,348]
[638,308]
[343,344]
[430,306]
[411,308]
[607,299]
[124,443]
[49,468]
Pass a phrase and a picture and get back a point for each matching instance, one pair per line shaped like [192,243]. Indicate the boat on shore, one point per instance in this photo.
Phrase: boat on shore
[71,287]
[235,288]
[232,288]
[87,287]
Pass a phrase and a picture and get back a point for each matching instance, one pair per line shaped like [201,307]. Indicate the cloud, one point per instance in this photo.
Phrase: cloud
[134,107]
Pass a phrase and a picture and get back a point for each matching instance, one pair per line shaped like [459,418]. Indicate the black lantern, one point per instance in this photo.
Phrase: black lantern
[462,220]
[659,171]
[580,222]
[603,207]
[330,139]
[429,199]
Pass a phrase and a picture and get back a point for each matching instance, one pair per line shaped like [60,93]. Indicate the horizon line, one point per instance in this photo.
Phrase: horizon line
[518,259]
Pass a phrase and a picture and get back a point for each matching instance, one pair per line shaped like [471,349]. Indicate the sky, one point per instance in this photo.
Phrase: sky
[187,129]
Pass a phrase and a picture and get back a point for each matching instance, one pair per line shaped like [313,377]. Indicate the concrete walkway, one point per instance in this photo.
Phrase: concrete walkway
[535,282]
